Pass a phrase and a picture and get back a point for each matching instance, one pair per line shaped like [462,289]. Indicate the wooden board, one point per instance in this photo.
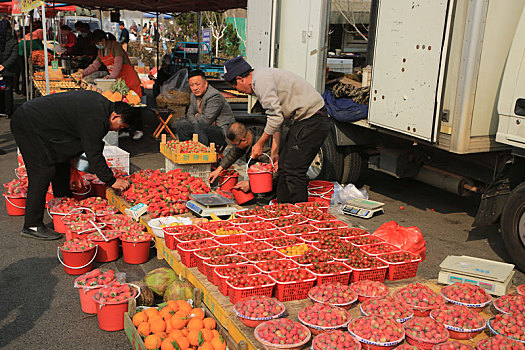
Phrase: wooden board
[222,309]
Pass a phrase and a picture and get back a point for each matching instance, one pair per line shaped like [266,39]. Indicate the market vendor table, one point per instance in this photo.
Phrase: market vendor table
[221,307]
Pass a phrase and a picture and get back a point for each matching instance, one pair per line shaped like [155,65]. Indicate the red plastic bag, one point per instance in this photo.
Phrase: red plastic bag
[75,179]
[405,238]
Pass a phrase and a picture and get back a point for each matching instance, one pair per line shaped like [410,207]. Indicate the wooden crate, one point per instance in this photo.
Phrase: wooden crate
[187,158]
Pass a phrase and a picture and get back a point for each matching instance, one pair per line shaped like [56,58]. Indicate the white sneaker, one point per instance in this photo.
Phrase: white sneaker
[138,135]
[123,134]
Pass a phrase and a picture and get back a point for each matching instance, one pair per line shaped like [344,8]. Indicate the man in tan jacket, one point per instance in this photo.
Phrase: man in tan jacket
[287,100]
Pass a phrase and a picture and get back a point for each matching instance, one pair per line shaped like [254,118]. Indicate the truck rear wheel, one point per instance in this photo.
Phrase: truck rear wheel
[513,226]
[328,163]
[353,166]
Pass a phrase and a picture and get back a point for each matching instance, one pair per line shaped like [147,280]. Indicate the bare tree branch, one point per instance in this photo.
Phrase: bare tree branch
[237,31]
[217,23]
[351,22]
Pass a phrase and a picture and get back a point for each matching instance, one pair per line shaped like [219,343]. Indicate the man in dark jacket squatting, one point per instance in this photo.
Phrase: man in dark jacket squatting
[51,131]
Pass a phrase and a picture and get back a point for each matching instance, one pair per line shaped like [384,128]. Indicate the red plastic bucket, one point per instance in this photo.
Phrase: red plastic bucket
[260,182]
[77,263]
[58,224]
[321,188]
[107,250]
[242,197]
[136,252]
[16,206]
[111,315]
[87,304]
[227,182]
[84,194]
[99,189]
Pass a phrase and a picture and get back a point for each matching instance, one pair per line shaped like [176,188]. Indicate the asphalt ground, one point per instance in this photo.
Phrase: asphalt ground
[39,308]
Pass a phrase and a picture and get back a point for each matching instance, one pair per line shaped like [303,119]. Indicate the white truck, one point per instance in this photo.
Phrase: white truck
[447,99]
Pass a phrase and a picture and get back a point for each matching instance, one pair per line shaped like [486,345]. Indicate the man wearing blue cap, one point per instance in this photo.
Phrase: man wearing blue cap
[287,100]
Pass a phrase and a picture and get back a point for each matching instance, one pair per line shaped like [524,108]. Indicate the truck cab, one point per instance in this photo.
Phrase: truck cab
[446,104]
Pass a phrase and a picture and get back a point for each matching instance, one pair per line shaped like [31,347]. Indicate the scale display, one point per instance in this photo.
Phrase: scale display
[205,205]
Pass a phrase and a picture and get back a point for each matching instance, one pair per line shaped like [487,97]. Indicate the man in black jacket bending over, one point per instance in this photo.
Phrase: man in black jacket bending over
[50,131]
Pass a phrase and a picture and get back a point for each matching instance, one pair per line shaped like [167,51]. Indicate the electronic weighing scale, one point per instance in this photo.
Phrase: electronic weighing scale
[206,204]
[493,276]
[363,208]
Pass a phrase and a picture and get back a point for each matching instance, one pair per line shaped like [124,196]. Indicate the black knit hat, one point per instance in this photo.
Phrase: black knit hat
[235,67]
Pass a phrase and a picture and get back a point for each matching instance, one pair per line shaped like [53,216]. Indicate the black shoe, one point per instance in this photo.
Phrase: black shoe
[41,232]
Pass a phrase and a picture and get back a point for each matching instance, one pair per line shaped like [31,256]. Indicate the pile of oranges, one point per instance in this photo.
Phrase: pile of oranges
[178,326]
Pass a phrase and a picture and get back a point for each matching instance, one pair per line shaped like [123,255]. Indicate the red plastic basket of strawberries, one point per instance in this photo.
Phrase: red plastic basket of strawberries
[242,286]
[224,272]
[292,284]
[187,250]
[220,261]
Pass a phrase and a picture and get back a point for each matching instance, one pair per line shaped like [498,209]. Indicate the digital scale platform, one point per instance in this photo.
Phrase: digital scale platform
[493,276]
[205,205]
[363,208]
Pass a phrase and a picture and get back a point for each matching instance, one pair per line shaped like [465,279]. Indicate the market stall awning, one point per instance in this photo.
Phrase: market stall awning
[162,5]
[7,7]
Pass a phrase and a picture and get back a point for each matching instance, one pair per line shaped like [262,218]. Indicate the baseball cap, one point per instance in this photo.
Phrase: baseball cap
[235,67]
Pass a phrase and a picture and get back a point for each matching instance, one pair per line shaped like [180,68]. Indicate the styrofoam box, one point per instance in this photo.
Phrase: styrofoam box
[197,170]
[340,65]
[117,158]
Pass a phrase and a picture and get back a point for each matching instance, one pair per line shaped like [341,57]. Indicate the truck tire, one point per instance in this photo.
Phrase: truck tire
[328,163]
[353,166]
[513,226]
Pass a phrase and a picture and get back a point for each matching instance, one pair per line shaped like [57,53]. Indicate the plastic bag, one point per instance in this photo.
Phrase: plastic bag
[175,91]
[344,193]
[406,238]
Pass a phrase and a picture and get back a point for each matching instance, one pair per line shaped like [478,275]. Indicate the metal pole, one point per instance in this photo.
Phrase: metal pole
[158,39]
[141,31]
[31,51]
[25,55]
[199,39]
[46,66]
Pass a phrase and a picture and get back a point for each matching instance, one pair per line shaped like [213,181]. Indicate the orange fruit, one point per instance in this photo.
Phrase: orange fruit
[209,323]
[206,346]
[151,312]
[197,313]
[167,344]
[177,322]
[166,312]
[144,329]
[183,305]
[169,328]
[216,333]
[181,314]
[183,343]
[185,332]
[175,333]
[193,336]
[139,318]
[195,323]
[207,335]
[218,343]
[173,304]
[152,341]
[157,325]
[162,335]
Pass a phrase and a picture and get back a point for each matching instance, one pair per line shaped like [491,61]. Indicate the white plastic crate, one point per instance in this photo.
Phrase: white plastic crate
[197,170]
[117,158]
